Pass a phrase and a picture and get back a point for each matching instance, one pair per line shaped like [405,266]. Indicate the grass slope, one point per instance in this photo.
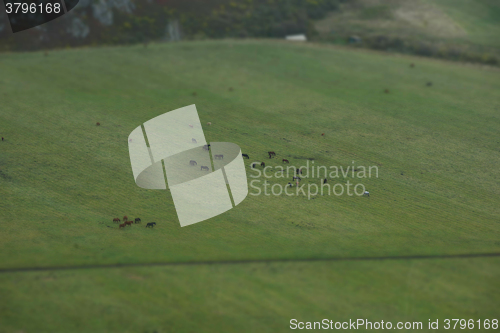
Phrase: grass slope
[452,29]
[63,179]
[249,298]
[479,18]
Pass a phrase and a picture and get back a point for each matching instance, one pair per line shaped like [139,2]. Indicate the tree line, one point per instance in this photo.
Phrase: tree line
[105,22]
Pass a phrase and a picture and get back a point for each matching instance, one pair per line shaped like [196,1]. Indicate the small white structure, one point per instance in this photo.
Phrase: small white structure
[297,38]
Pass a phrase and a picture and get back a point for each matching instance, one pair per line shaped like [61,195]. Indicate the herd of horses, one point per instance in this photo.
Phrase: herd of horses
[126,222]
[262,164]
[204,167]
[271,154]
[220,157]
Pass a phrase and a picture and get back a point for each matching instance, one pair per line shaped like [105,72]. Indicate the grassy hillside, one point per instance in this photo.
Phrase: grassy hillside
[460,30]
[249,297]
[480,19]
[63,179]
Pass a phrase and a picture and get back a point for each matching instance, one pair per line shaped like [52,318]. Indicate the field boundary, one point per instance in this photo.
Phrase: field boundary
[249,261]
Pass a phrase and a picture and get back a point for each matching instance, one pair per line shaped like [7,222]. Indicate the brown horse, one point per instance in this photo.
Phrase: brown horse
[125,218]
[122,225]
[98,124]
[271,153]
[285,161]
[116,219]
[129,222]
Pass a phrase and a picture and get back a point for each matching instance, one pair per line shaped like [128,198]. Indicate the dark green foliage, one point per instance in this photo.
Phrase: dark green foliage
[431,49]
[257,18]
[199,19]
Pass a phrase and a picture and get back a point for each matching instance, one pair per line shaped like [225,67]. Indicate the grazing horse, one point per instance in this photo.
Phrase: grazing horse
[125,218]
[192,162]
[204,168]
[2,138]
[219,157]
[122,225]
[129,222]
[137,220]
[193,140]
[206,147]
[116,219]
[263,164]
[245,155]
[98,124]
[296,177]
[150,224]
[271,153]
[286,161]
[366,194]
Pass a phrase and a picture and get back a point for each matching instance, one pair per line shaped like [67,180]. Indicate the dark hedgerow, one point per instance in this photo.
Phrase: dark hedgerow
[97,22]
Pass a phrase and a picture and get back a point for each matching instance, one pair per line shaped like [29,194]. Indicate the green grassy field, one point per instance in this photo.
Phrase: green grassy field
[63,180]
[249,297]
